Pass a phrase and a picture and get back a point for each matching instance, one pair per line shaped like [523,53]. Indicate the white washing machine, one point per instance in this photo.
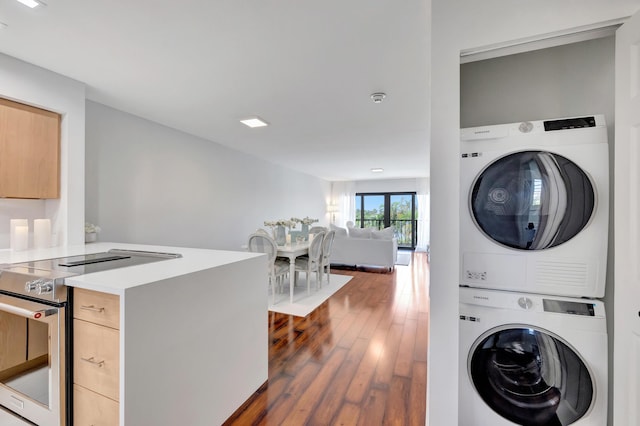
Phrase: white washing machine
[535,206]
[528,359]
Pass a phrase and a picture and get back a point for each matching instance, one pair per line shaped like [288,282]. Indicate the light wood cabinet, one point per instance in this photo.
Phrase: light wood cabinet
[96,358]
[96,307]
[96,363]
[91,408]
[29,151]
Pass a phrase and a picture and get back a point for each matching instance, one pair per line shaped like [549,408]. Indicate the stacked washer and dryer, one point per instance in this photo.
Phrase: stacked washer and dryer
[533,253]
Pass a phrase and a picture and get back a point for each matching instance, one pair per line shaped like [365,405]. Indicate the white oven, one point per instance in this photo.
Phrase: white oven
[32,359]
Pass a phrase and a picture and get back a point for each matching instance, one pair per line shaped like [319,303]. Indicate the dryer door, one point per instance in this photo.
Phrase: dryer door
[530,376]
[532,200]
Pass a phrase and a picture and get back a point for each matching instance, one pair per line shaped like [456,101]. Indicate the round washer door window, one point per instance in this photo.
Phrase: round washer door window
[531,377]
[532,200]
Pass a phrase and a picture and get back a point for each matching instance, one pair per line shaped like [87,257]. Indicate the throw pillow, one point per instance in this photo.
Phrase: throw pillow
[383,234]
[342,232]
[360,232]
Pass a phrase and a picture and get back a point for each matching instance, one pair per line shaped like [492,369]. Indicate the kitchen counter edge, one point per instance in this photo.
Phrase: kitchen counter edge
[116,281]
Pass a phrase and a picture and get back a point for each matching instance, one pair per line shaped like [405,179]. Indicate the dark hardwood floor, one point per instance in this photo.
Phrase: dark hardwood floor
[359,359]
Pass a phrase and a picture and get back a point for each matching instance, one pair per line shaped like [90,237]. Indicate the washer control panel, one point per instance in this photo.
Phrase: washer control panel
[528,303]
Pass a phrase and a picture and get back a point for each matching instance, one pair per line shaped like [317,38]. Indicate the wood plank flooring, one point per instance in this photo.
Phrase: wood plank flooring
[359,359]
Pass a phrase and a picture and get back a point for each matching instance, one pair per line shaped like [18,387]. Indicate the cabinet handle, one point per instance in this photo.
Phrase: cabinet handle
[92,361]
[91,308]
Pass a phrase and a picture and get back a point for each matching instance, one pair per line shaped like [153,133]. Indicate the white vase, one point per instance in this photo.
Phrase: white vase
[90,237]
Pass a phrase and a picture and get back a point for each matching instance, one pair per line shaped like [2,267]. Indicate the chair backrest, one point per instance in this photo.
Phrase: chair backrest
[327,243]
[259,243]
[316,229]
[315,248]
[262,232]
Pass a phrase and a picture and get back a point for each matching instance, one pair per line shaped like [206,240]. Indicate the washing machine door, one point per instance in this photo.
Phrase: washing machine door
[530,376]
[532,200]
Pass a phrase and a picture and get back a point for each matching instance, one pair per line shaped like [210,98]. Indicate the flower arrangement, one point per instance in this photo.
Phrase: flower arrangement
[90,228]
[306,221]
[281,222]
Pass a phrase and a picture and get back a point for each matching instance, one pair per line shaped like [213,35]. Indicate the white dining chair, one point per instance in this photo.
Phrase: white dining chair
[311,263]
[316,229]
[325,263]
[277,269]
[263,231]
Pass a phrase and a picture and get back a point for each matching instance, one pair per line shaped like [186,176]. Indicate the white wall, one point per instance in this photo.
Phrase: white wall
[386,185]
[564,81]
[147,183]
[458,26]
[26,83]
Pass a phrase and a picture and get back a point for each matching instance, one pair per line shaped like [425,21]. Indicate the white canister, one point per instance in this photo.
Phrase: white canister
[41,233]
[16,241]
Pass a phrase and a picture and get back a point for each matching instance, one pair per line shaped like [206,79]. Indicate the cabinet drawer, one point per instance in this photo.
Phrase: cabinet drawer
[92,409]
[96,358]
[100,308]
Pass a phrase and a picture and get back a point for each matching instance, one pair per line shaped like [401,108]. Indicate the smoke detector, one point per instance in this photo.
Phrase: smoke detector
[378,97]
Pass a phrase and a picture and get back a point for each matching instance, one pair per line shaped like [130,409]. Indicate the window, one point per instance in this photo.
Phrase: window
[381,210]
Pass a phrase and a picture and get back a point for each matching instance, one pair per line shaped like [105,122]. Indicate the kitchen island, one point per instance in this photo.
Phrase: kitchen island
[192,333]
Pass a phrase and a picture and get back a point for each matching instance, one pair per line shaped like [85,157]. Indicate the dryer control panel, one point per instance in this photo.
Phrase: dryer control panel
[565,307]
[570,123]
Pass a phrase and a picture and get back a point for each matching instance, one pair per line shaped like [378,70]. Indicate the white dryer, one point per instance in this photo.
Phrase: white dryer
[532,360]
[535,206]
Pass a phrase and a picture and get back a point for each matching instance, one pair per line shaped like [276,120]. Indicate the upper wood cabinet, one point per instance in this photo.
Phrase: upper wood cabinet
[29,151]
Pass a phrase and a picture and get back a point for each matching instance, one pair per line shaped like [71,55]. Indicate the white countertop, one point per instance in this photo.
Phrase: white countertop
[116,281]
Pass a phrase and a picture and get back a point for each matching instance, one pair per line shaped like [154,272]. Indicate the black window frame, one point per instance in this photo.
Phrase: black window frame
[386,221]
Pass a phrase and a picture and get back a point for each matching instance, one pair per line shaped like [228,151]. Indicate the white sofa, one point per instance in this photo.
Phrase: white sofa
[358,249]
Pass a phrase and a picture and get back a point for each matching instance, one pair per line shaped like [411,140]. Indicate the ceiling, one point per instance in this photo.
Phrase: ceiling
[308,68]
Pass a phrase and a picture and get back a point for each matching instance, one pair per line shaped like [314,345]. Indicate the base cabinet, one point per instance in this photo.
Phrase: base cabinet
[91,408]
[96,358]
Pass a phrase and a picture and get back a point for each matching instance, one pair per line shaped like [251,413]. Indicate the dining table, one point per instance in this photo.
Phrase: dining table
[291,251]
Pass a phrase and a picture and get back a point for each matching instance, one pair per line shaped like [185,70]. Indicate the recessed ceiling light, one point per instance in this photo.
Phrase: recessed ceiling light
[377,170]
[254,122]
[32,3]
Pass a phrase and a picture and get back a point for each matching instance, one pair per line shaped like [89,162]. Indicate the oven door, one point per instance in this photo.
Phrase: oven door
[32,378]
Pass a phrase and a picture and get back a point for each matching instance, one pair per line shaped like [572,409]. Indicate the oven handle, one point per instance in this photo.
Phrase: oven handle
[41,313]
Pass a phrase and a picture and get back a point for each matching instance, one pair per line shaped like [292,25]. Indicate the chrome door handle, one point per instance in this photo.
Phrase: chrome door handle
[91,308]
[92,361]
